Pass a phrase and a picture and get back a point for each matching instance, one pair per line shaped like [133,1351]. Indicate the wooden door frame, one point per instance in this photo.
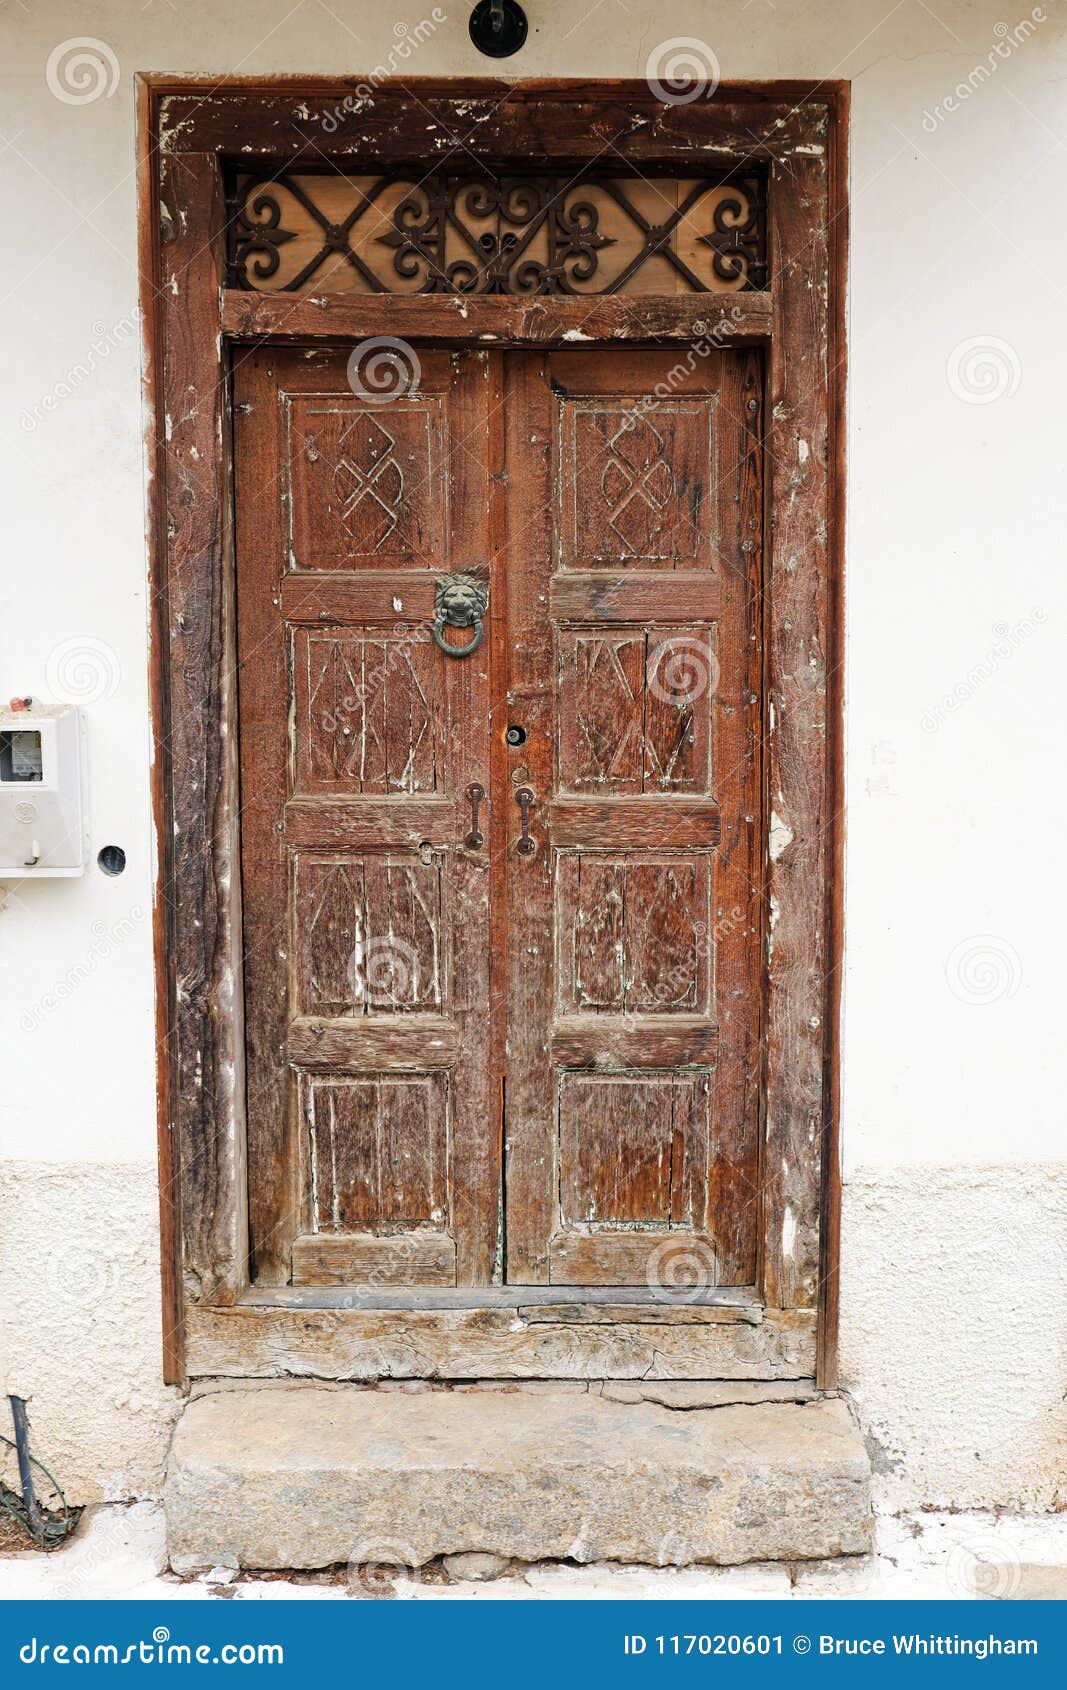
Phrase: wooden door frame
[212,1322]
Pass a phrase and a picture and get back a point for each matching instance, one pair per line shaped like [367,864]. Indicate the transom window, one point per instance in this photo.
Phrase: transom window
[520,235]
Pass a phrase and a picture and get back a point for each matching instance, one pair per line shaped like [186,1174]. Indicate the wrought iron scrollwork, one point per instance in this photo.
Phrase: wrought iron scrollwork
[736,240]
[518,235]
[257,235]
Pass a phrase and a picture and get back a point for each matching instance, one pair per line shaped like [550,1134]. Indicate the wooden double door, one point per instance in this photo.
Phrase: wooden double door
[501,873]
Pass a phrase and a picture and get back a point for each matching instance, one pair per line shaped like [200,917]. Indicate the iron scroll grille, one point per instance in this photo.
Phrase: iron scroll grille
[519,235]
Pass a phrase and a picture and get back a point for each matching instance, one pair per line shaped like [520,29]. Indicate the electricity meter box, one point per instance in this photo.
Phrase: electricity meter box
[42,828]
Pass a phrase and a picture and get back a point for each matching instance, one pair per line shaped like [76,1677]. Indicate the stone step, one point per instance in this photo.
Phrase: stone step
[311,1477]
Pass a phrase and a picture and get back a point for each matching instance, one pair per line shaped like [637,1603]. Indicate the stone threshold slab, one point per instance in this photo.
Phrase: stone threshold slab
[304,1478]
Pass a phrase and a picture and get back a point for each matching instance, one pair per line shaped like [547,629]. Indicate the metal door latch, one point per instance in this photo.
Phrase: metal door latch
[475,839]
[525,846]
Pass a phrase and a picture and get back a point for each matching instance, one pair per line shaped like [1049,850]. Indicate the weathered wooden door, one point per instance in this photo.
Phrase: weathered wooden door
[501,911]
[633,526]
[372,1136]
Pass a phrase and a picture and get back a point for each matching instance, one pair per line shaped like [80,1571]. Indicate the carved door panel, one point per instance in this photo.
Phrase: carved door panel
[602,912]
[634,519]
[372,1145]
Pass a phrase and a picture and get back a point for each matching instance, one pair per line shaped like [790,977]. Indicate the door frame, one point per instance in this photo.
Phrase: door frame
[187,127]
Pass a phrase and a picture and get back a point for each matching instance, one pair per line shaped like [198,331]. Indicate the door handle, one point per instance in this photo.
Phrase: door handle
[475,838]
[459,601]
[524,798]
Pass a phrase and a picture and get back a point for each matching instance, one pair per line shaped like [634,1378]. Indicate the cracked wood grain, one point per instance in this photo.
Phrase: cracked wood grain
[200,742]
[799,783]
[491,1344]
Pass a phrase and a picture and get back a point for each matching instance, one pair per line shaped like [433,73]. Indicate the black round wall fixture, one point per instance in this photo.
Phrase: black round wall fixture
[112,859]
[498,27]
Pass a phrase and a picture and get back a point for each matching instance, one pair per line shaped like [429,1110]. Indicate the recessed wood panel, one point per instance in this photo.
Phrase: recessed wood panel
[365,482]
[369,935]
[635,708]
[366,712]
[633,933]
[633,1149]
[635,483]
[377,1152]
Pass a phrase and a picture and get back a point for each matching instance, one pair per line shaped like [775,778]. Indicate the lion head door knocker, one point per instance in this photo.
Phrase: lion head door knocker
[460,601]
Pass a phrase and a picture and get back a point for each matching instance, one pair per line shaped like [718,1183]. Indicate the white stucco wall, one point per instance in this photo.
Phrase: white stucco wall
[954,1219]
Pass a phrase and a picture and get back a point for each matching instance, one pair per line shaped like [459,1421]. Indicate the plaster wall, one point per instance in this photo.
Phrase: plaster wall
[954,1235]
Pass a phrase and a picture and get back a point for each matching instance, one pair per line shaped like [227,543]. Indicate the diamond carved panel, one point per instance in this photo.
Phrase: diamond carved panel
[636,484]
[365,483]
[369,483]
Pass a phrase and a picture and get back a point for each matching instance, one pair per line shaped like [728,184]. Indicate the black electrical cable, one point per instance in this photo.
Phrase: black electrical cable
[46,1526]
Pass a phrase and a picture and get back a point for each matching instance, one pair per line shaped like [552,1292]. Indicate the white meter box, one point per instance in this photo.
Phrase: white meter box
[42,827]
